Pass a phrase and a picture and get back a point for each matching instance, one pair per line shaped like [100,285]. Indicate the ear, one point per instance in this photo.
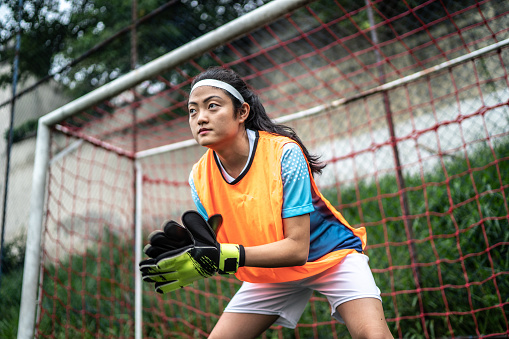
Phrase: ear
[244,111]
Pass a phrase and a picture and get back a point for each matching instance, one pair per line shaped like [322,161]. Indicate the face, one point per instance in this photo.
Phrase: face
[212,119]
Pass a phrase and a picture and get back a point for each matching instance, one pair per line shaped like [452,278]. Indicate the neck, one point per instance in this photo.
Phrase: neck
[234,157]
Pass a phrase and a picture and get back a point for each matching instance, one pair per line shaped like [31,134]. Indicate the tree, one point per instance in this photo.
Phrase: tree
[44,33]
[53,38]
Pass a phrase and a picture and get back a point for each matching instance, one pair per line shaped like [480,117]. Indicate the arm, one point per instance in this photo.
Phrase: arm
[202,256]
[293,250]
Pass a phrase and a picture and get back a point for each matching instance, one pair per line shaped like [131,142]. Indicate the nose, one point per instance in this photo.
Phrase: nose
[202,117]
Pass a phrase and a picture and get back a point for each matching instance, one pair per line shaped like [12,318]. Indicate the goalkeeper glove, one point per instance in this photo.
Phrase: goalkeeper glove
[180,267]
[172,237]
[174,241]
[226,258]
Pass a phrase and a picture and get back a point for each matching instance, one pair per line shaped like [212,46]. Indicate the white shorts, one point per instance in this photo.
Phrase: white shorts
[350,279]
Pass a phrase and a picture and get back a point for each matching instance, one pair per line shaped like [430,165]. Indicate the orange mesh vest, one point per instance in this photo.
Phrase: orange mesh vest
[251,207]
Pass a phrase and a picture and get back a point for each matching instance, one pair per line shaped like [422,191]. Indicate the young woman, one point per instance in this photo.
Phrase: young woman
[259,176]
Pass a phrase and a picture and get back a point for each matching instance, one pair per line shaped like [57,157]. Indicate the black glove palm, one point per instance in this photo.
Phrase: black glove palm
[224,258]
[173,237]
[199,256]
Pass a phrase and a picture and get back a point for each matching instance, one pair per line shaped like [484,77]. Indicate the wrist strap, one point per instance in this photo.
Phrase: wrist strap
[242,256]
[231,258]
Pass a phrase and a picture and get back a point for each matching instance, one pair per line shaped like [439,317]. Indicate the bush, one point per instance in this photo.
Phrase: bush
[10,291]
[26,130]
[458,217]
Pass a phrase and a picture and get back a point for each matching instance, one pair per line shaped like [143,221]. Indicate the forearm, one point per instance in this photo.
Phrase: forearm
[293,250]
[283,253]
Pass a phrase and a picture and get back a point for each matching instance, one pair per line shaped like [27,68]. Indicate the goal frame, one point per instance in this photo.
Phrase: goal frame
[234,29]
[241,26]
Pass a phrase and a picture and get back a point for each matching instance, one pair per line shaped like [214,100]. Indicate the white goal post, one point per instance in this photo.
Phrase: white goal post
[237,28]
[234,29]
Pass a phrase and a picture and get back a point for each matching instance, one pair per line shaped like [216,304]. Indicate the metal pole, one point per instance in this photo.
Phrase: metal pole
[137,187]
[399,173]
[9,142]
[137,253]
[33,246]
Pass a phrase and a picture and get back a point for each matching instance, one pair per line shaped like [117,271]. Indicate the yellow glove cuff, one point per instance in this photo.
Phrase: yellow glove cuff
[231,258]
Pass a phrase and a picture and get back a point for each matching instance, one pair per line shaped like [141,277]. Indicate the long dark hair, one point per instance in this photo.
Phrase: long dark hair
[258,119]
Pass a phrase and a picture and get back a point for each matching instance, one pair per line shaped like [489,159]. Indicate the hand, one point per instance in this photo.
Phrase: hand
[173,237]
[199,256]
[224,258]
[169,245]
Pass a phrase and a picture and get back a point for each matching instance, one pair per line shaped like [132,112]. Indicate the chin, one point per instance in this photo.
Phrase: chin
[200,140]
[204,143]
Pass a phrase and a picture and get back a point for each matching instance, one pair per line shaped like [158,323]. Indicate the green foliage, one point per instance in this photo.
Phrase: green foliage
[10,292]
[10,297]
[178,24]
[25,130]
[459,220]
[44,33]
[13,256]
[52,38]
[460,251]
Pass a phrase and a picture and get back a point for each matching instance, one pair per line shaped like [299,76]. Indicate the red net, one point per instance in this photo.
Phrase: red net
[422,163]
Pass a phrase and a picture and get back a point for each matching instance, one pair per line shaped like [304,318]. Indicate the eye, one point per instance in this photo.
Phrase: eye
[212,105]
[192,111]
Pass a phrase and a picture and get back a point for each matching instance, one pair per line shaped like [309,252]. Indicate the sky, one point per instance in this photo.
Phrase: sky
[64,5]
[3,11]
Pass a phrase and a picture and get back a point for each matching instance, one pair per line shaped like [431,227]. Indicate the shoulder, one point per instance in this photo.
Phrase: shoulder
[291,148]
[293,160]
[274,139]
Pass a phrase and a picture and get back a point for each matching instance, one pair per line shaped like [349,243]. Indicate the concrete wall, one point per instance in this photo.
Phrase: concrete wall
[37,103]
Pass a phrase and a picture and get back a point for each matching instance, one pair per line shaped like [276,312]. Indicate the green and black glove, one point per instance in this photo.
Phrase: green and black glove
[173,236]
[200,256]
[173,242]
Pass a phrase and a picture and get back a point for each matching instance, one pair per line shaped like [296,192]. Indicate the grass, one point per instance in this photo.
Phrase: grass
[459,220]
[10,291]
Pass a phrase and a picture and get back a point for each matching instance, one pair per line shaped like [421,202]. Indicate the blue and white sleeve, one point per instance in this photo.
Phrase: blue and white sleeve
[196,198]
[297,199]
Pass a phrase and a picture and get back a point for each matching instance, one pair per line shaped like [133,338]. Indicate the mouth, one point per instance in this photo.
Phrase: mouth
[203,131]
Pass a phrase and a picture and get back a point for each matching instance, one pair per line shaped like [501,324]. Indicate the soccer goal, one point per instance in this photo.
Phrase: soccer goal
[406,101]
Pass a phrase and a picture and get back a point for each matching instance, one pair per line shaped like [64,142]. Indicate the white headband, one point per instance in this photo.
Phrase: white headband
[218,84]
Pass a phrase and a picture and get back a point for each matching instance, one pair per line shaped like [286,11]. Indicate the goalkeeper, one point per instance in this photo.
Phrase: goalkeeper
[254,186]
